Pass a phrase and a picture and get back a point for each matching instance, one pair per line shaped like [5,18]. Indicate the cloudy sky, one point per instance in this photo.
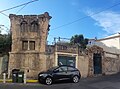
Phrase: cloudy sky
[92,18]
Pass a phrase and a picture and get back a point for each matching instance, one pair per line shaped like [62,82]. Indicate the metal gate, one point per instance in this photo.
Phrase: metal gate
[97,62]
[65,60]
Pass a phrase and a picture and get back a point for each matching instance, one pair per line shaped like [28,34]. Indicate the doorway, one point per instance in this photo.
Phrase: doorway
[97,62]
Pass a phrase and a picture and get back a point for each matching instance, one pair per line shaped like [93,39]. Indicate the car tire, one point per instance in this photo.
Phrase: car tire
[48,81]
[75,79]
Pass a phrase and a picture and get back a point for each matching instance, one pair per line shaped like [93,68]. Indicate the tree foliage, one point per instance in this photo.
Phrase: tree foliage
[80,40]
[5,43]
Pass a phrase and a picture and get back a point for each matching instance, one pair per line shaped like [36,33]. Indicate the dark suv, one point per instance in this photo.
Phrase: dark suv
[59,73]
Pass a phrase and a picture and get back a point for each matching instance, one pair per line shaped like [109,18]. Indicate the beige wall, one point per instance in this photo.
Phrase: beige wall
[83,63]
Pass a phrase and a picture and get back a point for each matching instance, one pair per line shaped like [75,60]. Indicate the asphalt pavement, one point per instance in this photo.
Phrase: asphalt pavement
[101,82]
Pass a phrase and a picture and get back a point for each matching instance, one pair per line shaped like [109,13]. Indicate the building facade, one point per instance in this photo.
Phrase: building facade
[31,54]
[29,35]
[93,61]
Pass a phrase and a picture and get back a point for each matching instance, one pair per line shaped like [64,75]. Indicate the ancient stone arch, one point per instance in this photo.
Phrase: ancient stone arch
[91,51]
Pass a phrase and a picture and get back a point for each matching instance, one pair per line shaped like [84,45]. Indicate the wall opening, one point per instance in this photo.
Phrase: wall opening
[65,60]
[28,45]
[97,63]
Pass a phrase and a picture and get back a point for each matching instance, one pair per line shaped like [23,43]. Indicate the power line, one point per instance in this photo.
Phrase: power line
[4,14]
[24,4]
[18,6]
[21,8]
[86,17]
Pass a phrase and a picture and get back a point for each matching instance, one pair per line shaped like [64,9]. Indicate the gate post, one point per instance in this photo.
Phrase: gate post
[4,78]
[25,78]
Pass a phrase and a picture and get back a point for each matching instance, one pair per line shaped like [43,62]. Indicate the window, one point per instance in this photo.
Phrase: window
[71,69]
[65,60]
[28,45]
[34,26]
[24,26]
[62,69]
[25,45]
[32,45]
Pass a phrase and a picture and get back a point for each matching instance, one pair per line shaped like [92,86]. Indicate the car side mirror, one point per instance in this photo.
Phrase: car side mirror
[55,71]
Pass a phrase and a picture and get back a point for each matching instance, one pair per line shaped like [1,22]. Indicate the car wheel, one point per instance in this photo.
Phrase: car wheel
[75,79]
[48,80]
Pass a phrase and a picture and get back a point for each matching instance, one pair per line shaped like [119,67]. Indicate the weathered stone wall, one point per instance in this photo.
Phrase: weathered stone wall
[40,36]
[31,61]
[112,63]
[91,51]
[50,60]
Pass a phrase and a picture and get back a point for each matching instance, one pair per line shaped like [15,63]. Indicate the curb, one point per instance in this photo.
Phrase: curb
[32,81]
[27,81]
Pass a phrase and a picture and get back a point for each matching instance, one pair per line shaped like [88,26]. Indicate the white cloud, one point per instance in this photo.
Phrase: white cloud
[109,21]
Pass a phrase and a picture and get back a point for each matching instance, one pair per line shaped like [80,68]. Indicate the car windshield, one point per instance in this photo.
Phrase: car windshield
[51,69]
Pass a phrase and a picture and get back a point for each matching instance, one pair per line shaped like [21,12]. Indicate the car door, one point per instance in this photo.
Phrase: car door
[71,72]
[60,73]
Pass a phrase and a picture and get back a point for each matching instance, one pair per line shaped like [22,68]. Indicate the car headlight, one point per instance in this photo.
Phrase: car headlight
[43,75]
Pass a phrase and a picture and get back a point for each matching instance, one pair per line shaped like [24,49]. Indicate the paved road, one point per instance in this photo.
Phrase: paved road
[102,82]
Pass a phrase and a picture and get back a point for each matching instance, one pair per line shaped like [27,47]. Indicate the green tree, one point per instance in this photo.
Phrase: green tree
[80,40]
[5,43]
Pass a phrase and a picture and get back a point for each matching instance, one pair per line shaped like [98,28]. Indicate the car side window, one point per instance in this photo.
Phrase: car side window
[62,69]
[71,69]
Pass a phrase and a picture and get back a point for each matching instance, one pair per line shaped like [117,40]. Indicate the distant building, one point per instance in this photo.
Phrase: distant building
[111,41]
[91,42]
[109,44]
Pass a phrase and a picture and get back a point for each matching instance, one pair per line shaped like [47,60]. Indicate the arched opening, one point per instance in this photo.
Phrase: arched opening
[34,26]
[24,26]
